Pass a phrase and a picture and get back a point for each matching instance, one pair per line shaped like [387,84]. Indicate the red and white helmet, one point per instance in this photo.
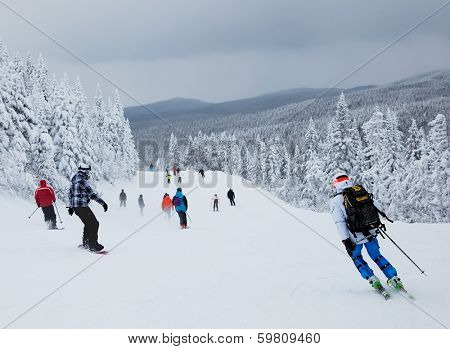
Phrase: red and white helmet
[340,179]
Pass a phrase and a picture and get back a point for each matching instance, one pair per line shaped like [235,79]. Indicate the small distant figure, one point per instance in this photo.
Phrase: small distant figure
[45,197]
[202,173]
[151,168]
[215,201]
[123,199]
[167,205]
[141,204]
[179,178]
[168,177]
[231,197]
[174,170]
[181,205]
[178,171]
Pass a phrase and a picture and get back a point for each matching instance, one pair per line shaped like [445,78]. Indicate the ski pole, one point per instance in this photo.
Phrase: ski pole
[422,271]
[33,213]
[57,211]
[189,217]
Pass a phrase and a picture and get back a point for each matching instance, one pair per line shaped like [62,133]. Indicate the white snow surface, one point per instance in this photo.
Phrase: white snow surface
[249,266]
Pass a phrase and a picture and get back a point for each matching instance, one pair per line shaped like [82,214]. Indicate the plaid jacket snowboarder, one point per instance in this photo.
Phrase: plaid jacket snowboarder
[81,192]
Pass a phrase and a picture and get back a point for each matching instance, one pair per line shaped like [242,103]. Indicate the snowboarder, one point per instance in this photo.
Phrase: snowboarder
[215,201]
[181,205]
[362,212]
[80,194]
[167,206]
[202,173]
[45,197]
[168,177]
[141,204]
[231,197]
[123,198]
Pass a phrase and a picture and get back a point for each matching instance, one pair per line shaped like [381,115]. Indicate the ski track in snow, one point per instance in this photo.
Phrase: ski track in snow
[249,266]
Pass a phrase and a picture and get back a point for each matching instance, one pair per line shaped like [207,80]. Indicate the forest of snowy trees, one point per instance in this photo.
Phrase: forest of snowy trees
[408,173]
[47,128]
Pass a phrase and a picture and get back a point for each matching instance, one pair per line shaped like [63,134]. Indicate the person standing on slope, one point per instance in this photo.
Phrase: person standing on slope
[45,197]
[123,198]
[202,173]
[215,201]
[167,206]
[181,205]
[362,210]
[168,177]
[80,194]
[231,197]
[141,204]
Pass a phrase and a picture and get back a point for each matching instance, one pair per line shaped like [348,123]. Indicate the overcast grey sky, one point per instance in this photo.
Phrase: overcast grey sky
[218,50]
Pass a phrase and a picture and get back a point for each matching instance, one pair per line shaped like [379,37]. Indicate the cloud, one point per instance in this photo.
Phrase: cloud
[218,50]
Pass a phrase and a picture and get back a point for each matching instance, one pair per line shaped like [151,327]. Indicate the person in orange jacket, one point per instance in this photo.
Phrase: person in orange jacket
[166,205]
[45,197]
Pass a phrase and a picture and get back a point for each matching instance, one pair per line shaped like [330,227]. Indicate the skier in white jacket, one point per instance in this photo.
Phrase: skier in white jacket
[354,242]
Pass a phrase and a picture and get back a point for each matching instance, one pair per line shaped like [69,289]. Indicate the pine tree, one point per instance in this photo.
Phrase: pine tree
[173,150]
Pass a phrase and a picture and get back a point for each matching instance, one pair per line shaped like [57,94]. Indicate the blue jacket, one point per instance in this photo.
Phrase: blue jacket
[180,202]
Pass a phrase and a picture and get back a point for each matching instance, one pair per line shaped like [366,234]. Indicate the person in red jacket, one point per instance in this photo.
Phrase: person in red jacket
[166,205]
[45,197]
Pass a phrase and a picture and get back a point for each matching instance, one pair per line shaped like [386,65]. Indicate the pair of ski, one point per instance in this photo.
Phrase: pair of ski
[386,295]
[102,252]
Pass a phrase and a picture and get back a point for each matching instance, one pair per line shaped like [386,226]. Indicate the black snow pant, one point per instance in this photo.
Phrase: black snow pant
[90,232]
[232,202]
[216,205]
[49,216]
[123,203]
[183,218]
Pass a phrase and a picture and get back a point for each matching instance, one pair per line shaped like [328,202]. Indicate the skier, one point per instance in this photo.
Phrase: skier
[231,197]
[80,194]
[215,201]
[141,204]
[45,197]
[181,205]
[202,173]
[168,177]
[363,213]
[179,178]
[178,171]
[167,206]
[150,168]
[123,198]
[174,170]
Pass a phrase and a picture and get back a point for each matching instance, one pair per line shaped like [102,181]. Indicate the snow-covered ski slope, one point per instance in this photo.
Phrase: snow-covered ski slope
[249,266]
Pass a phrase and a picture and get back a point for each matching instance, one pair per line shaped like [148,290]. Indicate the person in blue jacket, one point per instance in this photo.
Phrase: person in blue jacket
[181,205]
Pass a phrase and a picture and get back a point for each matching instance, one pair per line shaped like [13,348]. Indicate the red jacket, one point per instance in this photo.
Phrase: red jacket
[166,203]
[44,195]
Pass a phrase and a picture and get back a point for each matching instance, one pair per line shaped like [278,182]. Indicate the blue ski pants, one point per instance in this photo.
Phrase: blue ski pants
[373,249]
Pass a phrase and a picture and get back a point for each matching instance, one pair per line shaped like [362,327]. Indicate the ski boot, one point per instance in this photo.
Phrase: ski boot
[96,247]
[376,284]
[396,283]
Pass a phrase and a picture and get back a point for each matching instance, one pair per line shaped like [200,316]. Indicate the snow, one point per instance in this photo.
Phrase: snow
[249,266]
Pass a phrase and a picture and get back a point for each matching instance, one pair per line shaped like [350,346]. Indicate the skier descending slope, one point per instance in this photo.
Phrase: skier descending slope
[231,196]
[80,194]
[167,206]
[215,201]
[45,197]
[181,205]
[357,222]
[141,204]
[123,199]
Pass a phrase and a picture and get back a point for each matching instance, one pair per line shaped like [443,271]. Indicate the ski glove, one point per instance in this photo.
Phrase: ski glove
[71,210]
[105,207]
[349,246]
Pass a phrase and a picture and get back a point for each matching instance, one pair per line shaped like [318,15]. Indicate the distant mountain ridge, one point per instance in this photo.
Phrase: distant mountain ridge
[285,113]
